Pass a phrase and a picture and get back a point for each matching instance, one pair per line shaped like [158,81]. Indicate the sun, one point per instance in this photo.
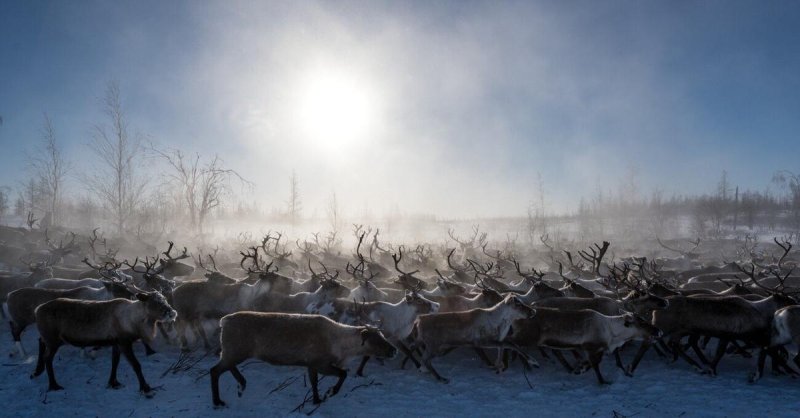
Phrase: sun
[335,108]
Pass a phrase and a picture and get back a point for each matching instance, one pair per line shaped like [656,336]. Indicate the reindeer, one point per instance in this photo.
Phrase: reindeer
[110,271]
[23,302]
[197,301]
[117,322]
[406,279]
[586,330]
[478,328]
[171,267]
[366,289]
[312,341]
[153,276]
[38,272]
[213,275]
[786,329]
[280,257]
[468,247]
[487,298]
[727,318]
[395,320]
[108,254]
[303,302]
[58,252]
[445,287]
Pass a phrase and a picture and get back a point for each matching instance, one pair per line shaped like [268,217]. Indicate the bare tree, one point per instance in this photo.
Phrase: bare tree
[791,181]
[334,213]
[294,206]
[4,201]
[201,185]
[50,169]
[115,180]
[537,221]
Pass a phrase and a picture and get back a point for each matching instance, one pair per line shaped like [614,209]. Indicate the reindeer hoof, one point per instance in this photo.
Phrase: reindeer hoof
[55,387]
[147,391]
[754,377]
[219,404]
[114,385]
[240,390]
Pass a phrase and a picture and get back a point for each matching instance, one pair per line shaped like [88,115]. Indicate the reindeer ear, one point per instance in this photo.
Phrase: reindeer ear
[364,333]
[142,296]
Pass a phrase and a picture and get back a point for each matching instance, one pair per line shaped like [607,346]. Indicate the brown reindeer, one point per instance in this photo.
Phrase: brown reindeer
[435,334]
[117,322]
[312,341]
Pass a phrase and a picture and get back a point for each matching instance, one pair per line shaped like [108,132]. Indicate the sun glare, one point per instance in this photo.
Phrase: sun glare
[335,109]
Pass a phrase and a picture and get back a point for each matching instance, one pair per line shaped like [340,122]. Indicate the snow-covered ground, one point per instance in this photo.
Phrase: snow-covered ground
[658,389]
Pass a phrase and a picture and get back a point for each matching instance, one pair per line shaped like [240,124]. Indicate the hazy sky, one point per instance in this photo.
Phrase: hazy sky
[459,103]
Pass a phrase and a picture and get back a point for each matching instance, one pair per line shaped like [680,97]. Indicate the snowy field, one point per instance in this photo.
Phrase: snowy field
[658,389]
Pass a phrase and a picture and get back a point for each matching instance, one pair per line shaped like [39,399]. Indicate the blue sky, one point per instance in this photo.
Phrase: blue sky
[471,99]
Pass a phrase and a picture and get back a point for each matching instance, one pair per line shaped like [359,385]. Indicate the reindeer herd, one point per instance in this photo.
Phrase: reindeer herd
[326,306]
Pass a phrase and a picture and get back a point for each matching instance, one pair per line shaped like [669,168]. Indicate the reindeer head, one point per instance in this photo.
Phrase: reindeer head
[644,329]
[420,304]
[172,266]
[157,307]
[407,279]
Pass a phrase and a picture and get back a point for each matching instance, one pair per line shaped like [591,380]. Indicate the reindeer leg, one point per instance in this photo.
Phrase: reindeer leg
[778,356]
[148,351]
[16,333]
[544,353]
[618,361]
[127,351]
[594,358]
[360,371]
[675,345]
[313,377]
[582,365]
[50,354]
[180,328]
[693,342]
[40,360]
[113,383]
[409,354]
[239,379]
[738,349]
[638,357]
[215,372]
[200,332]
[482,355]
[426,360]
[342,374]
[529,361]
[660,351]
[721,346]
[762,358]
[704,342]
[560,357]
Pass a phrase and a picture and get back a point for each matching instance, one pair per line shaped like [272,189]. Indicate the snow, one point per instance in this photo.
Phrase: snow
[658,389]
